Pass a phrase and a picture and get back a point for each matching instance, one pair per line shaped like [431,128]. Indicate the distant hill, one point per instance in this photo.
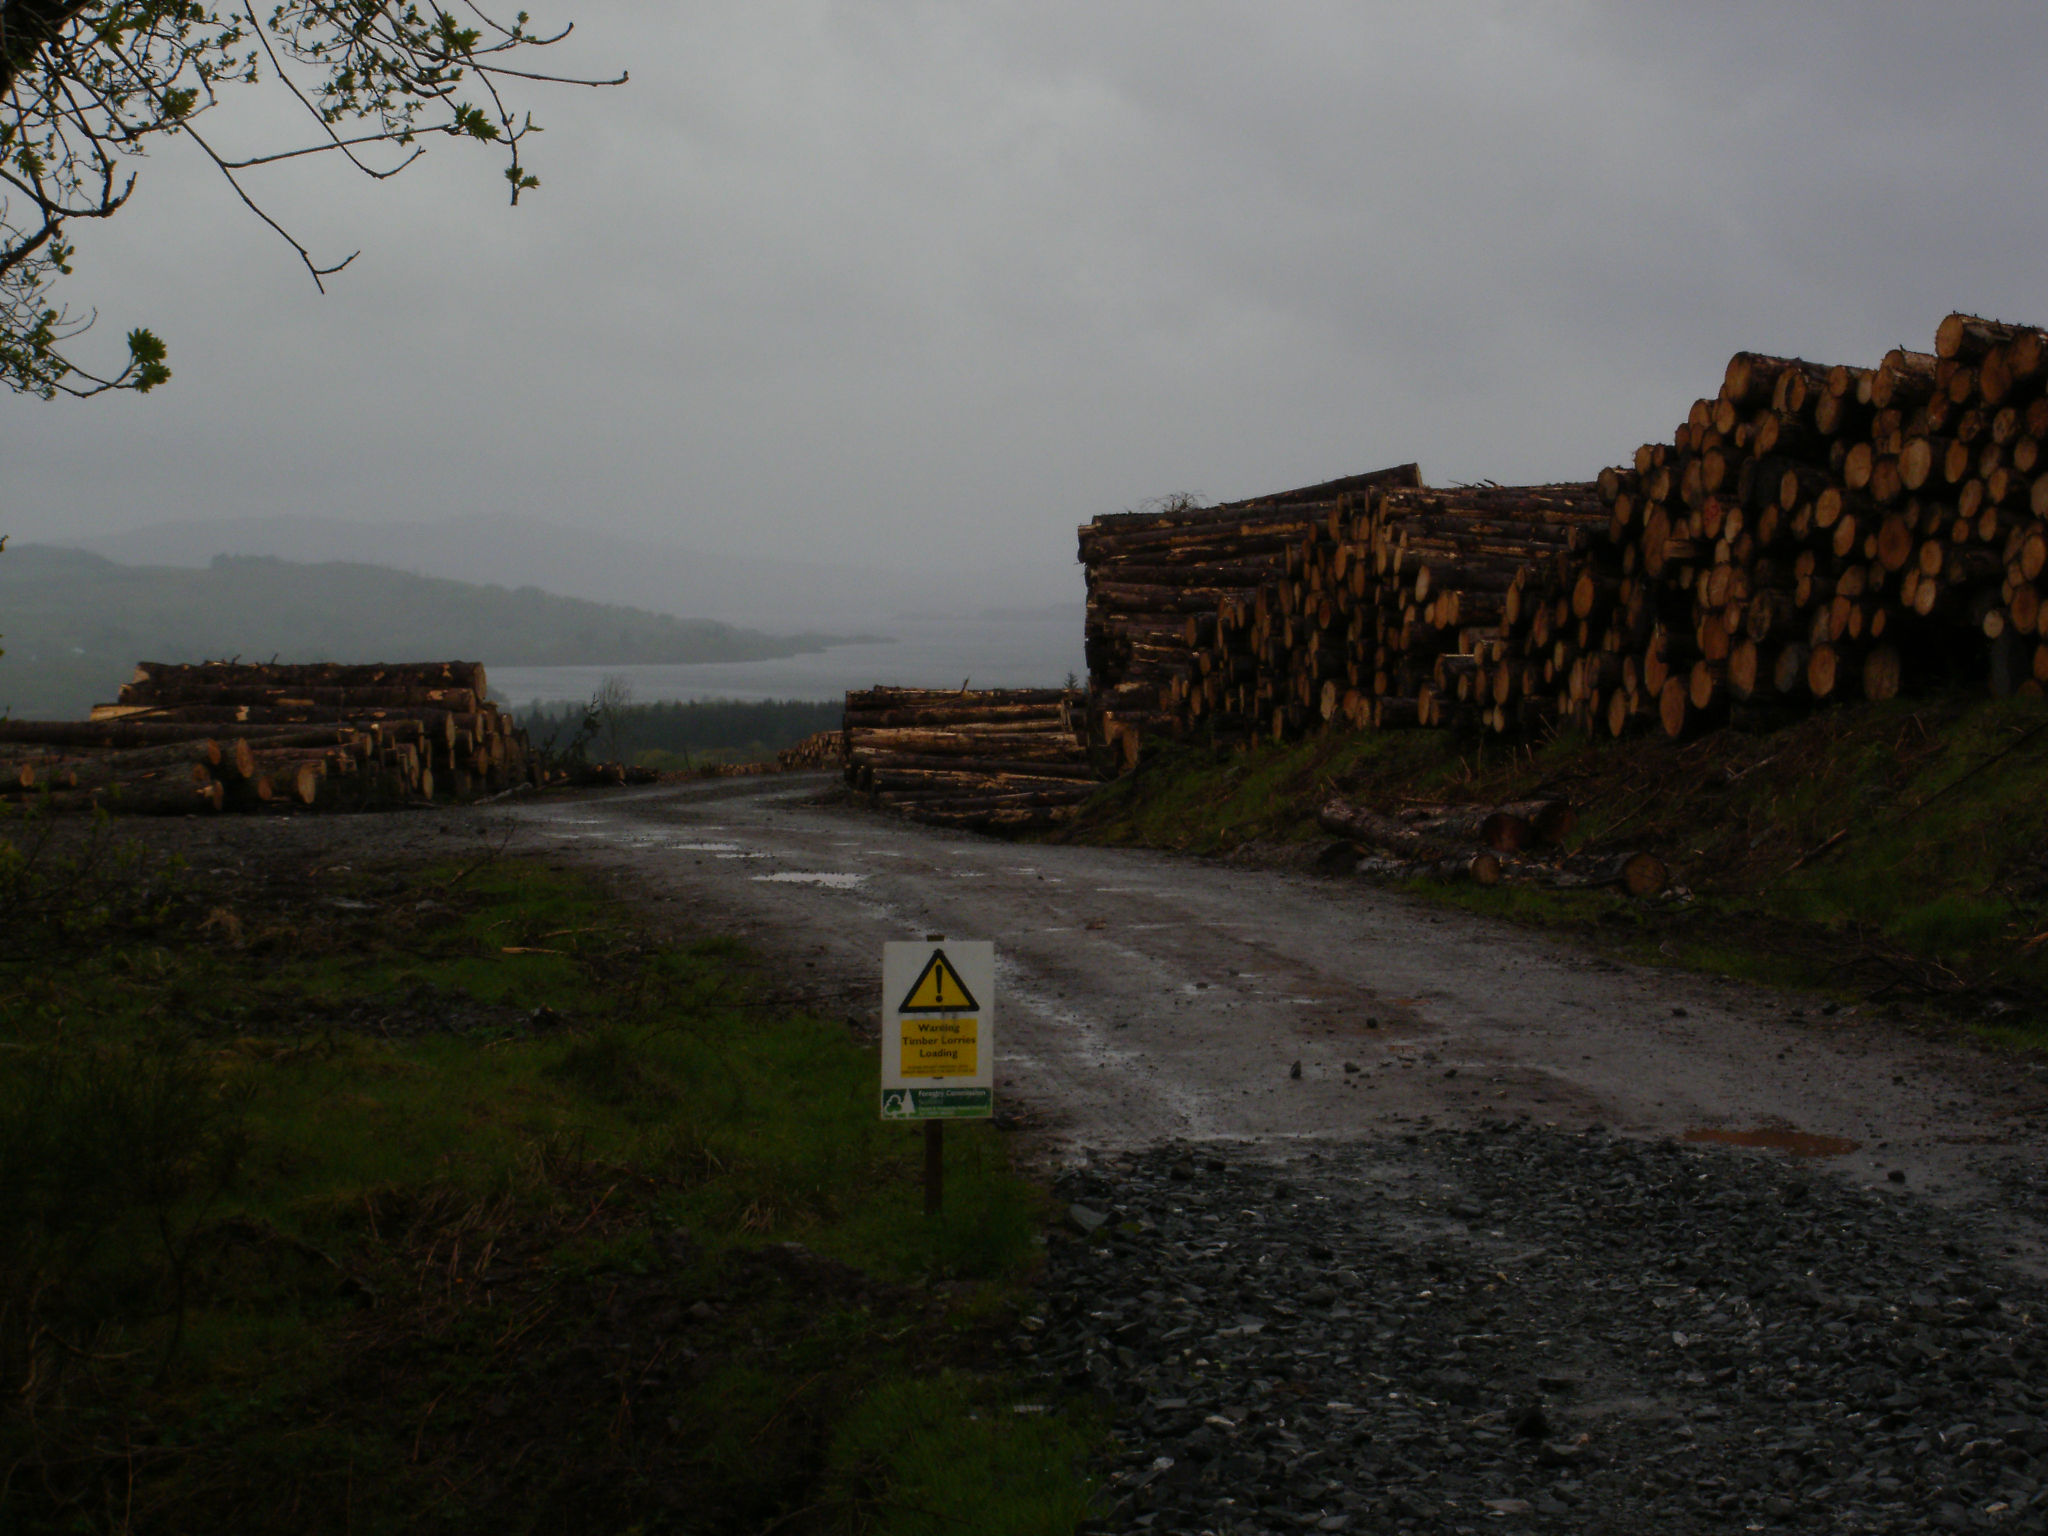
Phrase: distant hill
[74,624]
[604,566]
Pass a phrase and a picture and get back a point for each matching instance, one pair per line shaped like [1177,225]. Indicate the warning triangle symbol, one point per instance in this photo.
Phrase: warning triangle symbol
[938,989]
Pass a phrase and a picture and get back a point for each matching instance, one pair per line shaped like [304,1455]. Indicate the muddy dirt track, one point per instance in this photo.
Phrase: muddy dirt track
[1146,996]
[1470,1267]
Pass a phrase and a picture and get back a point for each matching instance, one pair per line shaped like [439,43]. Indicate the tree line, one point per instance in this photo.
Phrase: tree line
[670,733]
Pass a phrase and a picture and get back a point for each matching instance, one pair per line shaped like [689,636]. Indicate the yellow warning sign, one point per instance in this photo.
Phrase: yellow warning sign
[947,1047]
[938,989]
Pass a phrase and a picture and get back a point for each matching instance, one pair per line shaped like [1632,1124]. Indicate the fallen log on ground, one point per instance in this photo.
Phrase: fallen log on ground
[1361,825]
[1424,847]
[1503,828]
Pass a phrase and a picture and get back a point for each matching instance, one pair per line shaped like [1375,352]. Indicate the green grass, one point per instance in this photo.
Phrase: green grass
[1199,801]
[447,1197]
[1890,852]
[916,1456]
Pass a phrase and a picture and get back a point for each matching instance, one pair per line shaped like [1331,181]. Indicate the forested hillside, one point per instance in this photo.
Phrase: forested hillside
[74,624]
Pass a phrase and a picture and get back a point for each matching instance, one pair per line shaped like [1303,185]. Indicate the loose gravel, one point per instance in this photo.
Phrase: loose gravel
[1518,1329]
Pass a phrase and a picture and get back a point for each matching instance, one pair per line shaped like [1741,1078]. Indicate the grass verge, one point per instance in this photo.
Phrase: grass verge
[1892,853]
[444,1198]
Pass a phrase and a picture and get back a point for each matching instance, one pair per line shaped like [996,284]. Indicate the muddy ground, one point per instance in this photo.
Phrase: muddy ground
[1146,996]
[1299,1116]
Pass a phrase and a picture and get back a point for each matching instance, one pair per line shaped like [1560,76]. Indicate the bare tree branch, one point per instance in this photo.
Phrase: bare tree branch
[85,84]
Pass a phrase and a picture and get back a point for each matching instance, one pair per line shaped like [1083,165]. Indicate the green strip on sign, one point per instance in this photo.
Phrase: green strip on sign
[937,1103]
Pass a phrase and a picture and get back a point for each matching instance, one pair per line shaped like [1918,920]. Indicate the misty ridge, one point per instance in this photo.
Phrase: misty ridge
[511,550]
[76,623]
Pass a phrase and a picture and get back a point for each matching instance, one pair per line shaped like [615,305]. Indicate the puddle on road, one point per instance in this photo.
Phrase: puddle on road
[1796,1143]
[831,881]
[704,847]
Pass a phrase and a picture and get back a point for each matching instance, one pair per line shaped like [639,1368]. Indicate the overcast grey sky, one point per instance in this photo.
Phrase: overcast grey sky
[926,285]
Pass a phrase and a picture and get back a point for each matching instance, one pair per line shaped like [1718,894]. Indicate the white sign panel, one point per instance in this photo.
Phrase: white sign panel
[938,1030]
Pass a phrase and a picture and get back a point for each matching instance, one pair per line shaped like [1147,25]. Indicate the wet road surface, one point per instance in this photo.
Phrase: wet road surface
[1144,996]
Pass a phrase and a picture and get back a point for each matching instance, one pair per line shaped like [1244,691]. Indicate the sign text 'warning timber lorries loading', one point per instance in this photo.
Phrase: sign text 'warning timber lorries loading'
[938,1030]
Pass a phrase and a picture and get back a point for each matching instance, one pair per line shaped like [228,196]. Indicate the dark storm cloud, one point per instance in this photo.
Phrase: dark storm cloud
[925,285]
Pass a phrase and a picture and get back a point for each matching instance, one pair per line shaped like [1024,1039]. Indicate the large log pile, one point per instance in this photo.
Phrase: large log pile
[1810,533]
[1157,581]
[229,736]
[1442,581]
[1815,533]
[1010,759]
[1378,610]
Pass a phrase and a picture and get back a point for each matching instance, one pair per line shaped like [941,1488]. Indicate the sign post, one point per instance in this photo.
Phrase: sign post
[938,1042]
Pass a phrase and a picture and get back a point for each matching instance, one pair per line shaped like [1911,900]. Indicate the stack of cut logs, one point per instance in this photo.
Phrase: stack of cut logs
[1811,533]
[228,736]
[1157,583]
[1816,533]
[820,749]
[1406,593]
[1010,759]
[1378,609]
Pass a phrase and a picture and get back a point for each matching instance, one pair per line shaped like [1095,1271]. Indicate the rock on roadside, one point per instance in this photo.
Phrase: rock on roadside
[1517,1329]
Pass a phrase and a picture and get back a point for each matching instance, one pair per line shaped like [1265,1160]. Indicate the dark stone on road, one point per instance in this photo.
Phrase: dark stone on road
[1721,1344]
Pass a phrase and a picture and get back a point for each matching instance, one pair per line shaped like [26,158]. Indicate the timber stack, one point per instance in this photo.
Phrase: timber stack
[1811,533]
[1158,581]
[1009,759]
[220,736]
[820,749]
[1379,610]
[1420,586]
[1816,533]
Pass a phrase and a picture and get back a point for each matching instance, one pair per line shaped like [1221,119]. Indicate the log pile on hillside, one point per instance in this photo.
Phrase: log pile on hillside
[1423,586]
[1815,533]
[820,749]
[229,736]
[1811,533]
[1158,580]
[1379,610]
[1011,759]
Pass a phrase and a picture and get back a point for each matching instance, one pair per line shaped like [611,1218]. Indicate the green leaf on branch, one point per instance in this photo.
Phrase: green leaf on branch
[86,84]
[471,121]
[146,355]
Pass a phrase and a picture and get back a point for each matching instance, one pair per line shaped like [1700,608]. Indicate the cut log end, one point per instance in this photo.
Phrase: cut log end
[1640,874]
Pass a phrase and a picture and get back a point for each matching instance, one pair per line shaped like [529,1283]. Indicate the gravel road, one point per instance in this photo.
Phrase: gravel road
[1387,1218]
[1145,996]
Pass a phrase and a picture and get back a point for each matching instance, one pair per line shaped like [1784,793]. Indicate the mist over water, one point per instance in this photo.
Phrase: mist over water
[1026,651]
